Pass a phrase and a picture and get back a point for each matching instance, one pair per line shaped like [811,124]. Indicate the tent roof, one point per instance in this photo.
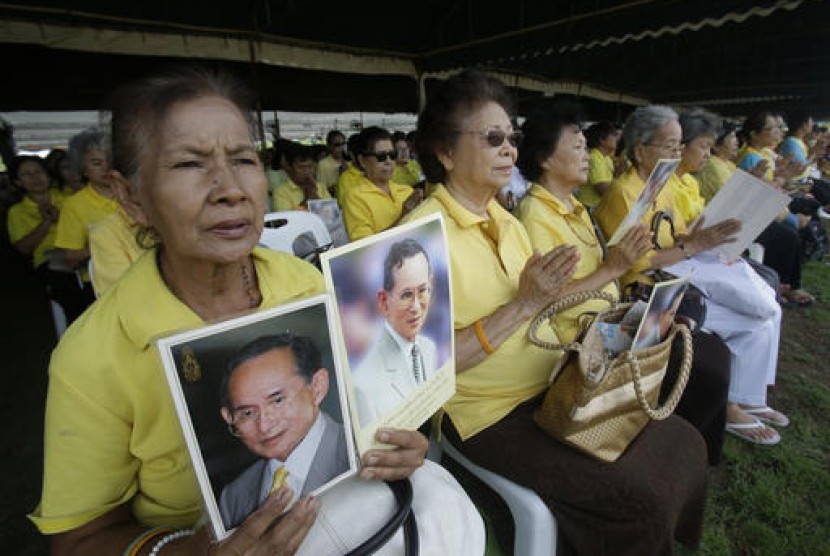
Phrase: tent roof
[732,56]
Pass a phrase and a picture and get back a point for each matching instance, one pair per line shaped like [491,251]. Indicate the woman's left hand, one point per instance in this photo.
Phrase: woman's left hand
[399,463]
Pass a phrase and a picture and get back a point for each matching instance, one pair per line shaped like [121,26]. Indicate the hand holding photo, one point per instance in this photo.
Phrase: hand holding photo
[658,178]
[262,405]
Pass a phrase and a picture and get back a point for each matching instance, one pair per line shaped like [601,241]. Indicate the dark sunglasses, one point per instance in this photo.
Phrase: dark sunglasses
[495,137]
[383,155]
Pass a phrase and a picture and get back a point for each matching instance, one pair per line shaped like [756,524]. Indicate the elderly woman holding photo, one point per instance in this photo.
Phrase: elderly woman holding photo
[637,505]
[554,154]
[741,308]
[117,476]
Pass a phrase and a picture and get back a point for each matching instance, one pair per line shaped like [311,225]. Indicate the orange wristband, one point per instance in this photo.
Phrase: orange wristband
[482,339]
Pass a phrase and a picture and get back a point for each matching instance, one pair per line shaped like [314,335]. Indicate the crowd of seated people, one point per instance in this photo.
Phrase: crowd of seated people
[513,248]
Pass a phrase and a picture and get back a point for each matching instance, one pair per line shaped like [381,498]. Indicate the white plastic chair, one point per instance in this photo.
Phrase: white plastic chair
[535,527]
[283,228]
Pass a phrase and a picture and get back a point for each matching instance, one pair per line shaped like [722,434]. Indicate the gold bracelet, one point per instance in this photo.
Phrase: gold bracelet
[144,539]
[482,339]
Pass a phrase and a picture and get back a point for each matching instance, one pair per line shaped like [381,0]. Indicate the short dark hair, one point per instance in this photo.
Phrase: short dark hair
[542,131]
[398,253]
[756,122]
[598,131]
[307,358]
[331,135]
[398,136]
[296,152]
[19,160]
[797,118]
[449,103]
[366,140]
[726,127]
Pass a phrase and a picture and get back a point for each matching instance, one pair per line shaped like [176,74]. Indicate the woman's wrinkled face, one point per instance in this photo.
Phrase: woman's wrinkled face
[664,144]
[203,188]
[473,162]
[568,164]
[379,163]
[728,147]
[697,151]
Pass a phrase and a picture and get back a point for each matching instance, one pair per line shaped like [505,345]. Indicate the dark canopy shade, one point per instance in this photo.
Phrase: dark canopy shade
[732,56]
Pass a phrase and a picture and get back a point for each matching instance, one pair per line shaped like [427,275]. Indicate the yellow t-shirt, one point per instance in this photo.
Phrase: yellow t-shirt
[367,210]
[617,202]
[713,175]
[24,217]
[550,224]
[486,259]
[408,174]
[112,436]
[600,169]
[289,196]
[688,202]
[112,249]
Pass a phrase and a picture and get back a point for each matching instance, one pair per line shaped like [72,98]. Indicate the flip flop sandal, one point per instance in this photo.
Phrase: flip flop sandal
[740,430]
[767,415]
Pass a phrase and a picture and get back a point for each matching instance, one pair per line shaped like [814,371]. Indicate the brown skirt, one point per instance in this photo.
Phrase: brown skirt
[655,493]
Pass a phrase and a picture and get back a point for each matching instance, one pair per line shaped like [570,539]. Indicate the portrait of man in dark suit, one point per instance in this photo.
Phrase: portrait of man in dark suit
[400,358]
[270,399]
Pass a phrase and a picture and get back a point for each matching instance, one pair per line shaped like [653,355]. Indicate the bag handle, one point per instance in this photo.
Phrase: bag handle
[566,302]
[403,517]
[658,414]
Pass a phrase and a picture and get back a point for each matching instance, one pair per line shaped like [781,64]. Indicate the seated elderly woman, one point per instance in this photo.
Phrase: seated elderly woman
[117,476]
[375,202]
[637,505]
[721,165]
[554,155]
[741,308]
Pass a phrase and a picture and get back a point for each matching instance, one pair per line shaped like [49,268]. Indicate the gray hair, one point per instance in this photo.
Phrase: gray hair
[697,122]
[80,144]
[642,124]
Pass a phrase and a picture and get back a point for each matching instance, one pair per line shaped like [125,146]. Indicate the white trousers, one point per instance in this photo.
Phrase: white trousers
[448,522]
[743,311]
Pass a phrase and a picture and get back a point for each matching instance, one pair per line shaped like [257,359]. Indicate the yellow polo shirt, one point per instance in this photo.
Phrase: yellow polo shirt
[550,224]
[617,202]
[328,172]
[600,169]
[24,217]
[79,212]
[408,174]
[289,196]
[349,178]
[688,202]
[714,174]
[112,436]
[112,249]
[367,210]
[486,259]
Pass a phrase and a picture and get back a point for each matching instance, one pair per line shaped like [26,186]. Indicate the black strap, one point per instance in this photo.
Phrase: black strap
[656,220]
[403,517]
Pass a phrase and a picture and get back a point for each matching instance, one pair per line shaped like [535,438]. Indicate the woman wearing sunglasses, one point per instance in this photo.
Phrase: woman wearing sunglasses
[375,202]
[653,493]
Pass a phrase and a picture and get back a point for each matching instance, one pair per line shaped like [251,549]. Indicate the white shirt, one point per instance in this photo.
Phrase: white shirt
[406,348]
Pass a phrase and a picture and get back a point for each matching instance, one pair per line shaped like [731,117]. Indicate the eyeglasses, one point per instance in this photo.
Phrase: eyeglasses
[408,295]
[495,137]
[246,416]
[383,155]
[673,147]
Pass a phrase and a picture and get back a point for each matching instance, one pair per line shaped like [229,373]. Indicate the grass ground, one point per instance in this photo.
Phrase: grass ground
[764,501]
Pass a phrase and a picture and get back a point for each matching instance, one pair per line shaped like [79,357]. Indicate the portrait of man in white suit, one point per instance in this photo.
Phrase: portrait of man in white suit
[400,358]
[270,399]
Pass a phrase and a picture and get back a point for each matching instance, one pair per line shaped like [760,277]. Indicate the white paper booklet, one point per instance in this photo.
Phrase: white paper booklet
[752,201]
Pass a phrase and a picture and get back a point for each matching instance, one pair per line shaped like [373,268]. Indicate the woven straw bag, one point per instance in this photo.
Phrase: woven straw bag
[599,403]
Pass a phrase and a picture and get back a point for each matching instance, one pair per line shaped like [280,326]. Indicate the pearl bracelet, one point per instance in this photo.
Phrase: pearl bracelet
[168,538]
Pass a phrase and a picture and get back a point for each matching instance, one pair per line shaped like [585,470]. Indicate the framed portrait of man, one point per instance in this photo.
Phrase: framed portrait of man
[262,404]
[394,312]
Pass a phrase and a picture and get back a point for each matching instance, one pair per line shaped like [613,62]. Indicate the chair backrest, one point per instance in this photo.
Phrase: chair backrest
[283,228]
